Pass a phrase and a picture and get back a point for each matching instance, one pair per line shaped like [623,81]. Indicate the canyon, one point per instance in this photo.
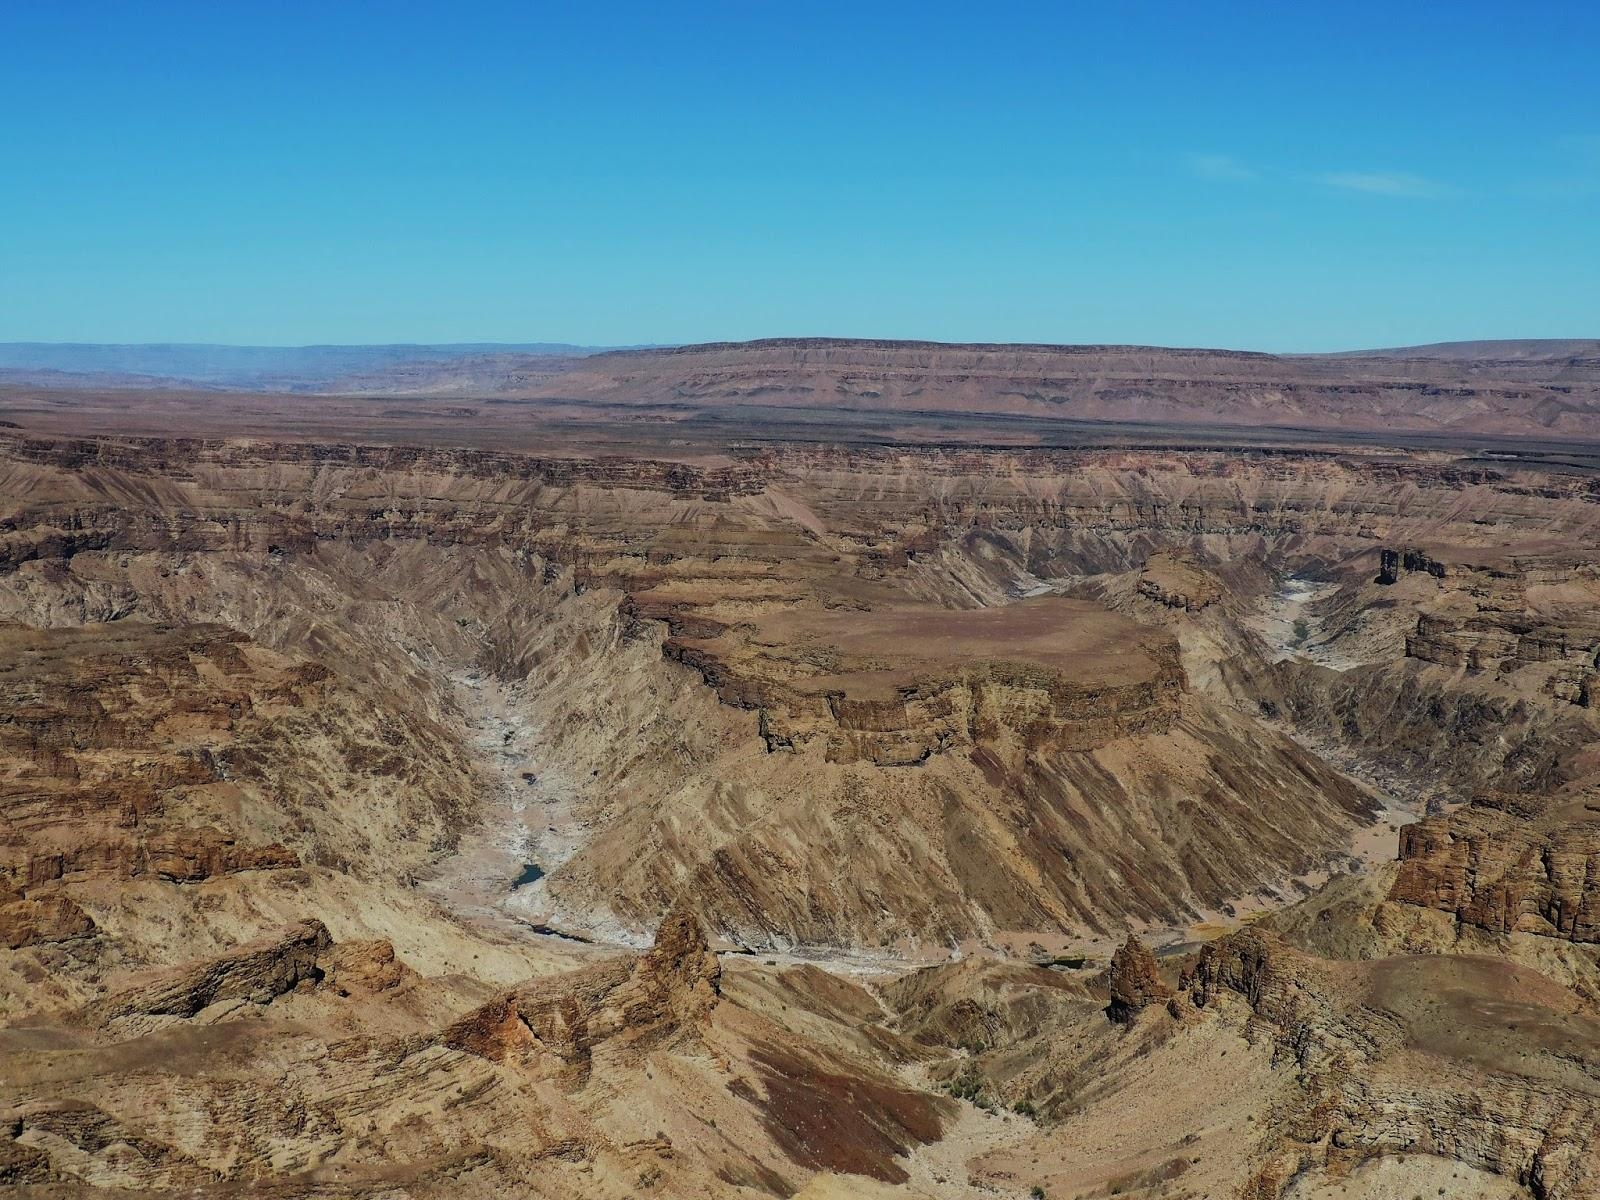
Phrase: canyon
[414,793]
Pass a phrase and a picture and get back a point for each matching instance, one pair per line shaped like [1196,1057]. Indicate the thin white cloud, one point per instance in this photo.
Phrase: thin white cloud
[1220,167]
[1382,183]
[1225,168]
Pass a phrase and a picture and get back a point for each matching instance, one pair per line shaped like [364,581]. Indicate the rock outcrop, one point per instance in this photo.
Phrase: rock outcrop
[182,776]
[30,920]
[1177,581]
[256,973]
[1135,981]
[896,686]
[367,967]
[1499,610]
[559,1024]
[1394,563]
[1503,873]
[1468,1059]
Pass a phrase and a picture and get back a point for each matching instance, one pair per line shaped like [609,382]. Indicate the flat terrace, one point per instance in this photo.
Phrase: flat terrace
[699,433]
[873,655]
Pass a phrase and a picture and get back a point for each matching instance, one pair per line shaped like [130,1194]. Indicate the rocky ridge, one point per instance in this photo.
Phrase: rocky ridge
[1525,393]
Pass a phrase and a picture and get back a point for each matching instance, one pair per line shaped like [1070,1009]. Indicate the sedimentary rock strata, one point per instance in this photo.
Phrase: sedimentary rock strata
[1134,981]
[311,753]
[256,973]
[1177,581]
[1469,1059]
[894,686]
[1420,389]
[1504,873]
[468,557]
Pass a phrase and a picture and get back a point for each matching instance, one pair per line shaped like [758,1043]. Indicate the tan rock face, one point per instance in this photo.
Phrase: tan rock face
[1470,1059]
[1135,981]
[1177,581]
[106,727]
[896,686]
[598,1076]
[666,997]
[788,698]
[367,967]
[257,972]
[1502,611]
[28,921]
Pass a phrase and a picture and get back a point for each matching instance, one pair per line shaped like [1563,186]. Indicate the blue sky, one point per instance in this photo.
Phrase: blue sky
[1286,177]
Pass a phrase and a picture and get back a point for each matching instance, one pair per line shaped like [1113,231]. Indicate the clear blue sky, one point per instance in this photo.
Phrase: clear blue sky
[1277,176]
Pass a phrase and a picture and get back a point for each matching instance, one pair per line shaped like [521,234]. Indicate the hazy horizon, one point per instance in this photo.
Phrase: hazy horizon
[1164,175]
[556,348]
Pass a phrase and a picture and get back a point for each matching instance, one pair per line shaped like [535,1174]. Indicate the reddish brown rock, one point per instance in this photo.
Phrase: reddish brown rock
[663,996]
[1494,870]
[368,967]
[495,1031]
[50,918]
[190,855]
[1135,981]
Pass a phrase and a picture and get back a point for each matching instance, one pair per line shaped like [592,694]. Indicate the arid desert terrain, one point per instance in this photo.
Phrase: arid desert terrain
[802,768]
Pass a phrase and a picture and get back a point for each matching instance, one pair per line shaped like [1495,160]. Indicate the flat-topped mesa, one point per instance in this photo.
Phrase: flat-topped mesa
[1177,581]
[896,686]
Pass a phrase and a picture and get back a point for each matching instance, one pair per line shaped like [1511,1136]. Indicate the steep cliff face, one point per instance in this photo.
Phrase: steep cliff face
[1505,873]
[183,785]
[252,696]
[1501,613]
[1468,1059]
[617,1008]
[1487,706]
[894,686]
[1135,981]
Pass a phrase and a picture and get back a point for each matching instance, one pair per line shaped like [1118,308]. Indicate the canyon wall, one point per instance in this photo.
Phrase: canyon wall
[259,700]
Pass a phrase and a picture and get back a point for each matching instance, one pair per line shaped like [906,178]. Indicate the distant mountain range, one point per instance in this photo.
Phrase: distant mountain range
[1548,388]
[291,367]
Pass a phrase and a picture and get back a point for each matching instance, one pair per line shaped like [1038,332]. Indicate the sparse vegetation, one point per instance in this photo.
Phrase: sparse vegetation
[969,1086]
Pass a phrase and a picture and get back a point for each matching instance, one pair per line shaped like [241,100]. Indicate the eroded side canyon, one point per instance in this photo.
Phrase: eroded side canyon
[870,706]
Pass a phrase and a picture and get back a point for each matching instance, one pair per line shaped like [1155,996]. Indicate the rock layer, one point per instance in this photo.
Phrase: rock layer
[257,695]
[1505,874]
[898,685]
